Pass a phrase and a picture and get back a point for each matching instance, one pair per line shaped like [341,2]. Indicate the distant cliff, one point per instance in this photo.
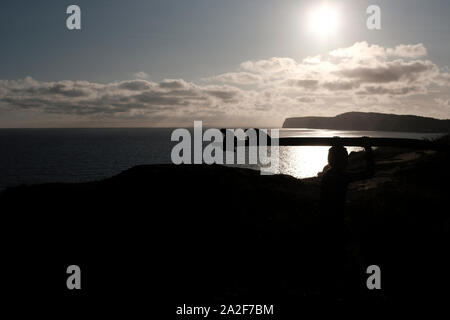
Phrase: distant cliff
[371,122]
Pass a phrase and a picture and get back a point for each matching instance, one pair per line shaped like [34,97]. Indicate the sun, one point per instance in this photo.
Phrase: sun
[324,20]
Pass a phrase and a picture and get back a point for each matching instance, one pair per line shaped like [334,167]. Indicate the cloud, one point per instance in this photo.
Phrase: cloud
[313,60]
[401,90]
[272,65]
[141,75]
[408,51]
[442,102]
[363,50]
[443,79]
[360,77]
[135,85]
[237,78]
[360,50]
[394,71]
[303,83]
[124,99]
[173,84]
[224,93]
[340,85]
[306,99]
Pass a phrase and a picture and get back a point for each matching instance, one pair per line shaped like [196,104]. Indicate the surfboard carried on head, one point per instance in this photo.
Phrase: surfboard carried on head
[364,141]
[421,144]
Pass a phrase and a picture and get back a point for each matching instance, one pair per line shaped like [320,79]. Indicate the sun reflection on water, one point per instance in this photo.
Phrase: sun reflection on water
[303,162]
[308,161]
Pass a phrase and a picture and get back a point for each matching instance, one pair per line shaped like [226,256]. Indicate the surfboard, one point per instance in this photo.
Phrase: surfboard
[362,141]
[422,144]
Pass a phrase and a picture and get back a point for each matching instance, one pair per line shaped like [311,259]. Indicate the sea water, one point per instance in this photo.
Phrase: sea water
[30,156]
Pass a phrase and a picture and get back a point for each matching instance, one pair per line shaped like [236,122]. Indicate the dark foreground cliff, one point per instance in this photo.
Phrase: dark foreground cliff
[214,234]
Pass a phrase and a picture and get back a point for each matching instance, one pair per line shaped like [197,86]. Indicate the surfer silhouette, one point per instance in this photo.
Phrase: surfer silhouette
[335,181]
[334,184]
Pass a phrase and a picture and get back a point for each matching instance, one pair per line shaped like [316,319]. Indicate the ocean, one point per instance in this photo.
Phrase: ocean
[31,156]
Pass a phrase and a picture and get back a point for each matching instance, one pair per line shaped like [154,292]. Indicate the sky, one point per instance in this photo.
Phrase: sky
[227,62]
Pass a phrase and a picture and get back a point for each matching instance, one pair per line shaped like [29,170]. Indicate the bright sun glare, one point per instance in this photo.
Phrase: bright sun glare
[324,20]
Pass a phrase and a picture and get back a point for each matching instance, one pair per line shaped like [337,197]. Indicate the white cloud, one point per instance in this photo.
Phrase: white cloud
[141,75]
[442,102]
[363,50]
[313,60]
[408,51]
[238,78]
[395,71]
[360,77]
[360,51]
[272,65]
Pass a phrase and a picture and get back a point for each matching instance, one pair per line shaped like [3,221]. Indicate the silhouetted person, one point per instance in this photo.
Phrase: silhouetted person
[334,184]
[335,181]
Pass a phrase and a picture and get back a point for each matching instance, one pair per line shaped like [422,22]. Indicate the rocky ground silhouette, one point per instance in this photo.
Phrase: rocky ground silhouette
[216,234]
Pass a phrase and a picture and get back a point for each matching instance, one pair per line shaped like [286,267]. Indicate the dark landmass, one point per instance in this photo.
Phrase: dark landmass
[214,234]
[362,121]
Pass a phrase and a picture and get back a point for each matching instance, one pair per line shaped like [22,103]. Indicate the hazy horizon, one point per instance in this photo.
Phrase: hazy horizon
[191,125]
[227,63]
